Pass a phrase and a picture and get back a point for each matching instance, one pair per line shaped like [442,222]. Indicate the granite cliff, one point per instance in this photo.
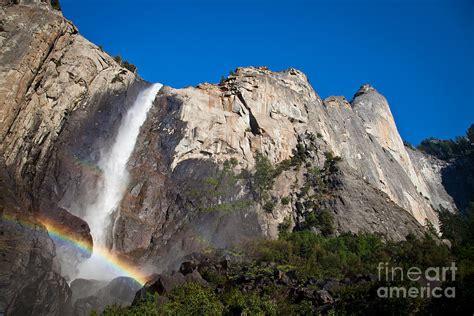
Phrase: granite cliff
[214,165]
[380,185]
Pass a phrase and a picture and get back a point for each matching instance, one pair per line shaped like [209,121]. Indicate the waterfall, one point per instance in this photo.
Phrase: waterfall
[114,180]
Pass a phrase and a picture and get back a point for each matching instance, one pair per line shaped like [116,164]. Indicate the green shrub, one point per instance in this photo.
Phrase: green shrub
[215,193]
[264,175]
[285,200]
[299,155]
[448,149]
[269,206]
[118,59]
[284,227]
[187,299]
[214,277]
[459,229]
[131,67]
[325,221]
[233,162]
[192,299]
[238,303]
[470,134]
[147,307]
[278,251]
[331,162]
[284,165]
[305,255]
[315,255]
[56,5]
[117,78]
[303,307]
[321,219]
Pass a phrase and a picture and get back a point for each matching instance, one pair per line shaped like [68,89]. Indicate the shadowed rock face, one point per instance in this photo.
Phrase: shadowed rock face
[30,283]
[433,171]
[458,178]
[89,295]
[53,83]
[51,79]
[76,229]
[359,207]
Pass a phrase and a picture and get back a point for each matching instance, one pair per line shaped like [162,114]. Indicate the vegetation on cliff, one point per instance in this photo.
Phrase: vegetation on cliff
[56,5]
[458,175]
[124,63]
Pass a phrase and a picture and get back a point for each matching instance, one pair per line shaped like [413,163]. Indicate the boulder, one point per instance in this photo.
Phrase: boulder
[160,284]
[76,229]
[96,295]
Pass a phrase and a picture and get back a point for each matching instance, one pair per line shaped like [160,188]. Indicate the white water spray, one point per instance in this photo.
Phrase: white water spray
[113,184]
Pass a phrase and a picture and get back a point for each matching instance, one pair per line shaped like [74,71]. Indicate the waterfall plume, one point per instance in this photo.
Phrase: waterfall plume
[114,180]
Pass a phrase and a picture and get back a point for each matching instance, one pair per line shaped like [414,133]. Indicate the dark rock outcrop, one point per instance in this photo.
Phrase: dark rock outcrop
[458,179]
[359,207]
[89,295]
[82,288]
[77,230]
[29,282]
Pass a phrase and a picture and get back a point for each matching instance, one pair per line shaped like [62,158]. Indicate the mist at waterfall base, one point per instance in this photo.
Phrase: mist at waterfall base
[113,183]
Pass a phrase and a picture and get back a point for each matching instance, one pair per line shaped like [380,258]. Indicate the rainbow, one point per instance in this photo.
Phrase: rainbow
[86,165]
[108,258]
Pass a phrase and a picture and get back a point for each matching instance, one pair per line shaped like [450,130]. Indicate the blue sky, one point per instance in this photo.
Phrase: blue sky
[419,53]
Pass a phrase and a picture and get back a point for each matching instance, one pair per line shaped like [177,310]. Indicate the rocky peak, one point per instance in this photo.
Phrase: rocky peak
[374,111]
[365,88]
[337,101]
[45,4]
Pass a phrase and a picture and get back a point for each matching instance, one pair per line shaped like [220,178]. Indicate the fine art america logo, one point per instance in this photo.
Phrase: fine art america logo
[429,281]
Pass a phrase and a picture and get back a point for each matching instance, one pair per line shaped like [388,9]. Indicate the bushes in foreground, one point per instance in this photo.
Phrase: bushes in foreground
[194,299]
[316,256]
[286,277]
